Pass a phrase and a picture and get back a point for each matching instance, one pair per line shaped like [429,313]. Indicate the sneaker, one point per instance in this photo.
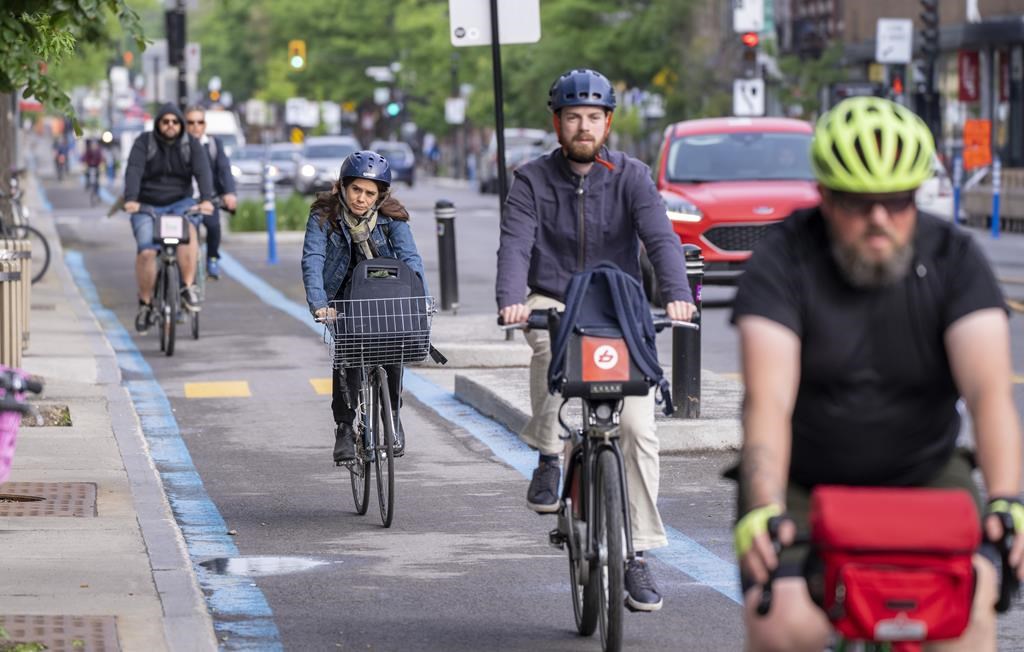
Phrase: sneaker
[190,298]
[213,268]
[399,448]
[144,317]
[542,496]
[641,591]
[344,443]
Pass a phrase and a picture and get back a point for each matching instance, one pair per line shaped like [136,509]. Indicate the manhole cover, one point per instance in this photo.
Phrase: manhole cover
[58,499]
[62,633]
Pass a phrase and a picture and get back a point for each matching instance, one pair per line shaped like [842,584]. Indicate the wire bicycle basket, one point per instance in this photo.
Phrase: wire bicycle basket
[374,332]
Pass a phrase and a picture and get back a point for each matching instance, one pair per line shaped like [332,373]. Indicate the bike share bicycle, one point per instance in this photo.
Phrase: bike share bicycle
[593,519]
[368,334]
[21,229]
[169,232]
[15,384]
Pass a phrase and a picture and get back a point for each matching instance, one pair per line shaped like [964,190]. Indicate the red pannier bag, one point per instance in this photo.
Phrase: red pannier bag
[896,562]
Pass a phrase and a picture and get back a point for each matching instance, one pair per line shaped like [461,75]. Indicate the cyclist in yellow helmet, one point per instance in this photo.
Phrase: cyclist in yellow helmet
[862,322]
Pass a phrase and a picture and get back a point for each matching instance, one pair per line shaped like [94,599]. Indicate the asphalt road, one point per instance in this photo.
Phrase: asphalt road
[465,566]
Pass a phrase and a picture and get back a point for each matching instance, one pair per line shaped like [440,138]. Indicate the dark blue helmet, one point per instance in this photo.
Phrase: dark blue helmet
[581,87]
[366,165]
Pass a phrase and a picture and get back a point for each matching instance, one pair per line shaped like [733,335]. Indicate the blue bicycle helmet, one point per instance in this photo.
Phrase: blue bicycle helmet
[581,87]
[366,165]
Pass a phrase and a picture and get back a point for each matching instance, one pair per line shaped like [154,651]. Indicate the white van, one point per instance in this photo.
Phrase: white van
[225,126]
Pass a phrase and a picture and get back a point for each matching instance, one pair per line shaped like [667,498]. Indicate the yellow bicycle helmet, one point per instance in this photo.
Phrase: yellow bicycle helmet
[871,145]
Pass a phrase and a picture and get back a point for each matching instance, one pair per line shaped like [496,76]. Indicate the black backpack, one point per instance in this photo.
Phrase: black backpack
[386,309]
[605,342]
[183,144]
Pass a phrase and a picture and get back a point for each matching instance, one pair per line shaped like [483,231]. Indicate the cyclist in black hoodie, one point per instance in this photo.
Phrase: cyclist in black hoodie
[159,175]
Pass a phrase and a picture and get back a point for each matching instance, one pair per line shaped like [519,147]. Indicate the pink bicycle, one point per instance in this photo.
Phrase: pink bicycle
[14,385]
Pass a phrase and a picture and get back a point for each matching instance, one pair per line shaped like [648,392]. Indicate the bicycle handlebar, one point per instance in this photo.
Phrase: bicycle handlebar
[541,319]
[11,381]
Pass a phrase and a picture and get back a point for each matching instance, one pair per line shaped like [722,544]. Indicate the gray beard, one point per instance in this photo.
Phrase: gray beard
[867,275]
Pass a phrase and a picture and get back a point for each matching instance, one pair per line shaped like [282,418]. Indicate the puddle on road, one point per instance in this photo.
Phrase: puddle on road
[260,566]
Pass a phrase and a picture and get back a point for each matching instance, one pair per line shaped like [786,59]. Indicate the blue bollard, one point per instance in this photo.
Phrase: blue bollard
[269,206]
[958,179]
[997,172]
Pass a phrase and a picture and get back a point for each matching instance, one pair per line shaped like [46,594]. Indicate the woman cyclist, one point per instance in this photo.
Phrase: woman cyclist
[357,219]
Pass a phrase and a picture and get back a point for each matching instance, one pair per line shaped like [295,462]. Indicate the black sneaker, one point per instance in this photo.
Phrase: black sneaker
[344,443]
[542,496]
[399,448]
[144,317]
[190,299]
[641,591]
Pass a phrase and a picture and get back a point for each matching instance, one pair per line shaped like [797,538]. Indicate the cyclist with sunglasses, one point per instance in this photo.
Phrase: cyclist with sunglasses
[159,174]
[862,322]
[223,184]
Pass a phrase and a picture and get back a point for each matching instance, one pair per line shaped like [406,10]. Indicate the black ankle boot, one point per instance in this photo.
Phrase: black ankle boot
[344,443]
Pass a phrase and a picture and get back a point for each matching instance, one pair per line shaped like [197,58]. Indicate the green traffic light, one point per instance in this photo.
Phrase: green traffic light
[297,61]
[393,109]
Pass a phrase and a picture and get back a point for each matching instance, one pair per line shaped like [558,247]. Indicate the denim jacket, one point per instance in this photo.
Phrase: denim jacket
[325,259]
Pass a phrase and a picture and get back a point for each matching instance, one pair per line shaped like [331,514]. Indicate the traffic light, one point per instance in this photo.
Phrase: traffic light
[393,109]
[930,29]
[748,60]
[297,54]
[897,83]
[128,57]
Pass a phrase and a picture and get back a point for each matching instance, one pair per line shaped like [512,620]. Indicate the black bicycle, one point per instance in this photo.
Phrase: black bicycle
[368,334]
[20,228]
[593,518]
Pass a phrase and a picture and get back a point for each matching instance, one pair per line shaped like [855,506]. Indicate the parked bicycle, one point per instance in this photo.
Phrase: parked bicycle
[169,232]
[19,227]
[368,334]
[14,385]
[593,517]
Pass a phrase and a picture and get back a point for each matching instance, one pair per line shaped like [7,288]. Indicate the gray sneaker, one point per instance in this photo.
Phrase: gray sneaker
[542,496]
[190,298]
[641,592]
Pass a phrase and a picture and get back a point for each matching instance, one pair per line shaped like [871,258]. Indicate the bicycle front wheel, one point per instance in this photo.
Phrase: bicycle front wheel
[611,561]
[585,594]
[40,249]
[169,309]
[385,457]
[359,474]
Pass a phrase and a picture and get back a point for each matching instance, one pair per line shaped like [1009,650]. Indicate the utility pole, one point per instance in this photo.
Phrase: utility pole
[174,23]
[930,52]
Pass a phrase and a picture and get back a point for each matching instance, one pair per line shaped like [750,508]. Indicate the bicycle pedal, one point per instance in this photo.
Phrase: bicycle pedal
[557,539]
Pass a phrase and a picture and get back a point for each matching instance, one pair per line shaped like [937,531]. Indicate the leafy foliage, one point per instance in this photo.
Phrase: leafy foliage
[37,33]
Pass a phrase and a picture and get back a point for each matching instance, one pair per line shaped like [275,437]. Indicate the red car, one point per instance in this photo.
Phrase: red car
[725,181]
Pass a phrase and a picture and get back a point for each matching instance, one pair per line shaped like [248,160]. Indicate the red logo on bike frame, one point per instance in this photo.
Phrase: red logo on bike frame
[604,359]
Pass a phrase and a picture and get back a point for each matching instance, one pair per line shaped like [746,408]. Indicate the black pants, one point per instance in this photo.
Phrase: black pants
[345,391]
[212,223]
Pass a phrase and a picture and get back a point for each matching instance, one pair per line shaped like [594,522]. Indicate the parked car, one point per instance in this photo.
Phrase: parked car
[247,166]
[521,145]
[401,158]
[321,161]
[225,126]
[936,194]
[726,181]
[285,157]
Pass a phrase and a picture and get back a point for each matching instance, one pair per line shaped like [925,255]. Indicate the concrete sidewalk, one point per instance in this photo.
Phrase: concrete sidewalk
[104,567]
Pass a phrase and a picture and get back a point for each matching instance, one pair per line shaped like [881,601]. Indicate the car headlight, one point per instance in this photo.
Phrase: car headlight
[236,171]
[308,170]
[272,170]
[682,210]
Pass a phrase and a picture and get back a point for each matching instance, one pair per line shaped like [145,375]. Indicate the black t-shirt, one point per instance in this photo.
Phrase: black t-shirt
[876,402]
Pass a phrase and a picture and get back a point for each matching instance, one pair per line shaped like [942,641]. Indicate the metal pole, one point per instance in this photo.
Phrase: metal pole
[499,106]
[686,345]
[958,179]
[270,209]
[444,213]
[997,172]
[182,67]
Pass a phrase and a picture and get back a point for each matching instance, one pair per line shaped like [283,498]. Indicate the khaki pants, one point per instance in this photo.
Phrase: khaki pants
[639,440]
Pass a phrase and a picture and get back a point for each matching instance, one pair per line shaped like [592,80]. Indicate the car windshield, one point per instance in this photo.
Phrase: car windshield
[393,154]
[248,154]
[329,151]
[281,154]
[740,156]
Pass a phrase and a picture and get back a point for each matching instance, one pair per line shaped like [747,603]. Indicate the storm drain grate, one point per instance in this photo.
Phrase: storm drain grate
[61,633]
[58,499]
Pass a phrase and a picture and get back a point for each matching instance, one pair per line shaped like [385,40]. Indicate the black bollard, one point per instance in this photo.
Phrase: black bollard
[686,345]
[444,213]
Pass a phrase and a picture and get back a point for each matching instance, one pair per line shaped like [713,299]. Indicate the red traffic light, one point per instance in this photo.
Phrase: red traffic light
[750,39]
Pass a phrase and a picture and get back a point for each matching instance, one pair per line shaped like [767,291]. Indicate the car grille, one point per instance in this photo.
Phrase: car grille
[741,237]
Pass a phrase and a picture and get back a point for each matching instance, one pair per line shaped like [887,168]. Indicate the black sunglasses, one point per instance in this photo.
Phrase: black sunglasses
[863,204]
[197,122]
[169,122]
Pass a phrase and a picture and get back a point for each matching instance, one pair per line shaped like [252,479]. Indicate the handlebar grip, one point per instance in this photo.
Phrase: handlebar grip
[34,385]
[764,605]
[1009,584]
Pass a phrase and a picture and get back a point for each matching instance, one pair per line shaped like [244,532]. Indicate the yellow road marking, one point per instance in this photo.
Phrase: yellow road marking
[1018,379]
[221,389]
[1015,305]
[321,385]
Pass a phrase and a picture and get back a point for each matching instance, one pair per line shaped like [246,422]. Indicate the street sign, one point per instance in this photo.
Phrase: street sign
[470,22]
[381,95]
[192,55]
[747,15]
[748,97]
[977,143]
[301,112]
[894,40]
[455,110]
[382,74]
